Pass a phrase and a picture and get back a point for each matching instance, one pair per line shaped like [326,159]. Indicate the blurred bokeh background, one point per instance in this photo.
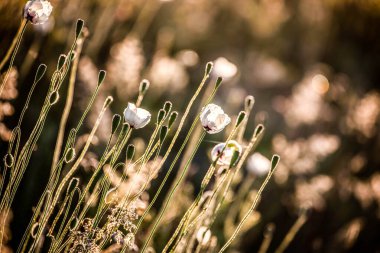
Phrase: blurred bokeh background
[312,66]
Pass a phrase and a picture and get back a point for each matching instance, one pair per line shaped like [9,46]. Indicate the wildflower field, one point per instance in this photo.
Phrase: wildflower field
[189,126]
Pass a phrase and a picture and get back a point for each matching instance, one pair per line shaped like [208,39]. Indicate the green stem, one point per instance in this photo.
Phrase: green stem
[171,193]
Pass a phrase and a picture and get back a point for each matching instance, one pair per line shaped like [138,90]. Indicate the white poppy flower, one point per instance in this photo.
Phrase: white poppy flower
[214,119]
[225,158]
[258,164]
[37,11]
[136,117]
[203,235]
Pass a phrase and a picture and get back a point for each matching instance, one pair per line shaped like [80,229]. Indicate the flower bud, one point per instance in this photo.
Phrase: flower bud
[249,102]
[61,61]
[274,162]
[108,101]
[130,151]
[173,116]
[168,106]
[240,118]
[218,82]
[161,115]
[70,155]
[209,66]
[144,86]
[101,76]
[40,72]
[115,123]
[258,130]
[79,27]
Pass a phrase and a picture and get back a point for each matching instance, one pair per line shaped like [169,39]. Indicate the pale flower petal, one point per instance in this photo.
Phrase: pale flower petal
[226,156]
[37,11]
[213,118]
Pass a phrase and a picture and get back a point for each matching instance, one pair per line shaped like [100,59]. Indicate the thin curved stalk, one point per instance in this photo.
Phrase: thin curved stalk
[292,233]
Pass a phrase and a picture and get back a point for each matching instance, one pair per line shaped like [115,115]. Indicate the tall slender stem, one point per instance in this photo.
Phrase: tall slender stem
[12,51]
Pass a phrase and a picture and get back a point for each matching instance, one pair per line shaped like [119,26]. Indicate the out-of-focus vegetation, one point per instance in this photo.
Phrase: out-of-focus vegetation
[312,66]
